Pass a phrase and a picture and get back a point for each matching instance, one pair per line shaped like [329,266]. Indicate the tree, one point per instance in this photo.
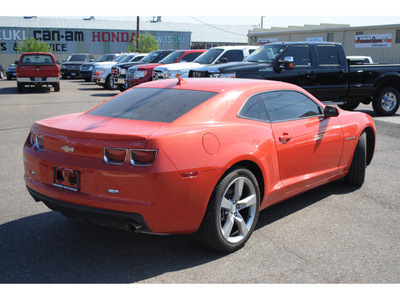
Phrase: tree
[147,44]
[32,45]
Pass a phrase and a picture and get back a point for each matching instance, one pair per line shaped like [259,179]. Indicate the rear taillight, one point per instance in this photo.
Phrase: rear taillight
[39,142]
[114,156]
[142,157]
[36,141]
[137,157]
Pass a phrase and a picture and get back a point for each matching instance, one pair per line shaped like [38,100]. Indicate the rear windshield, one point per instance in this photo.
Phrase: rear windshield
[37,59]
[150,104]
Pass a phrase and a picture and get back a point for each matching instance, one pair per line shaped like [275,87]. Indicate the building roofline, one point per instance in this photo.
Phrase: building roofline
[306,29]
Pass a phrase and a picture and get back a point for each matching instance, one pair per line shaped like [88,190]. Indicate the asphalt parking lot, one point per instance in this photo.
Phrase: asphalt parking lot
[333,234]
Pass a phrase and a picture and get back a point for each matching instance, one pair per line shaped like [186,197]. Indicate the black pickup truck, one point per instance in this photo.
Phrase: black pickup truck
[322,69]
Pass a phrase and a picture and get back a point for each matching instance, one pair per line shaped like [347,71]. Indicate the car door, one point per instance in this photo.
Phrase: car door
[331,73]
[309,145]
[303,72]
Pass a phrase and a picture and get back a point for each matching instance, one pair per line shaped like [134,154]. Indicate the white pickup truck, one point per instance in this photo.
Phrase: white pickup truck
[215,55]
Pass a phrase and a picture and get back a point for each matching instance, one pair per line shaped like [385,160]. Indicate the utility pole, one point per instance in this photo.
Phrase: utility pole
[137,33]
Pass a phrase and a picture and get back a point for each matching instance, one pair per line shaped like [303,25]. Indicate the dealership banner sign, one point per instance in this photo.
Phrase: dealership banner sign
[267,41]
[373,41]
[87,40]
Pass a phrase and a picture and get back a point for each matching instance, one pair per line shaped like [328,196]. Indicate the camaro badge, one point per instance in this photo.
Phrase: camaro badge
[67,148]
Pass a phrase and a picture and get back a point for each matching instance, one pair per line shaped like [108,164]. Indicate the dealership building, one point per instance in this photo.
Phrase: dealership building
[381,42]
[99,36]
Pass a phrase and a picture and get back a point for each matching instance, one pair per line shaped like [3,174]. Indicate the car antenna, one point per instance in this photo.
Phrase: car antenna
[181,81]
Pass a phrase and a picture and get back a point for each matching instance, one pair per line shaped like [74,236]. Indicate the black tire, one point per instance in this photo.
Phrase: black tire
[231,216]
[20,87]
[356,174]
[108,84]
[349,105]
[64,76]
[57,87]
[87,79]
[386,101]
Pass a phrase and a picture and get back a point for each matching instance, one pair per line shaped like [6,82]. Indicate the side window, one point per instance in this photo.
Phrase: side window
[289,105]
[190,56]
[300,54]
[232,55]
[253,109]
[327,56]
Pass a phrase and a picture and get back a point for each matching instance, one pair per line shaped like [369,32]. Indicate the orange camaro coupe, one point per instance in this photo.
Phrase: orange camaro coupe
[199,156]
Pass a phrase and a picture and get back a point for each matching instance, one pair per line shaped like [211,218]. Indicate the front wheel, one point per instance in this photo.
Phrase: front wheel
[232,212]
[109,85]
[356,174]
[386,102]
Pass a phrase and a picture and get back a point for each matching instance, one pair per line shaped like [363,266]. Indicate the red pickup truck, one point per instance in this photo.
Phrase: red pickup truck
[37,69]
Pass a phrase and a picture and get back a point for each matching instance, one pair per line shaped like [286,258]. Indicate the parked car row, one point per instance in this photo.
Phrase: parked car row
[322,68]
[162,64]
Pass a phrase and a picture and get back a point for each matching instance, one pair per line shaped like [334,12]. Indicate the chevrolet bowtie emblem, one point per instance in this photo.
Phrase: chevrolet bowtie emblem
[67,149]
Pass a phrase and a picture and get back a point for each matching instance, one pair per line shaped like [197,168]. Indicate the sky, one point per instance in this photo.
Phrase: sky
[228,12]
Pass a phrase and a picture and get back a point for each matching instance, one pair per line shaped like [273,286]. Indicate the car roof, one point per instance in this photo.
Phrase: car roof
[218,85]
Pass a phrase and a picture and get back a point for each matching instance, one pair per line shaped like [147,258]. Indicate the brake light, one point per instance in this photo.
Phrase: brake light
[142,157]
[39,142]
[36,141]
[114,156]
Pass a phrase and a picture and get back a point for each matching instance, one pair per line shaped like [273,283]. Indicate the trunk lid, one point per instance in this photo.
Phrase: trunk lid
[85,135]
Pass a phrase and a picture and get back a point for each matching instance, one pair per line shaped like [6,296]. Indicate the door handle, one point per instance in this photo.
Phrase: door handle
[285,137]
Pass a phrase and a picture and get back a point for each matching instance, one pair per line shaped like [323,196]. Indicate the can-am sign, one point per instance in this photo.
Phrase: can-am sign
[373,40]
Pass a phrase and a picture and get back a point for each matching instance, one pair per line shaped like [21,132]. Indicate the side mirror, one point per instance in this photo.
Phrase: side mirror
[58,62]
[288,63]
[331,111]
[16,62]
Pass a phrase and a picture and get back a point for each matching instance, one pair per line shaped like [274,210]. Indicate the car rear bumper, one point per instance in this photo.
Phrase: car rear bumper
[167,201]
[110,218]
[37,79]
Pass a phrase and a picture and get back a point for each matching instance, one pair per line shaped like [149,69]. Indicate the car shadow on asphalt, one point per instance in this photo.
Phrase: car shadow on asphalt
[50,248]
[27,90]
[297,203]
[109,95]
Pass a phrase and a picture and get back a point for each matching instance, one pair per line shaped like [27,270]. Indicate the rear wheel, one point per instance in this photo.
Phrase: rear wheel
[356,174]
[386,102]
[57,87]
[232,212]
[349,105]
[20,87]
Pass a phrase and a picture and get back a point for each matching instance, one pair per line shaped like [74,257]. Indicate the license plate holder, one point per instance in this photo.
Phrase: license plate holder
[66,179]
